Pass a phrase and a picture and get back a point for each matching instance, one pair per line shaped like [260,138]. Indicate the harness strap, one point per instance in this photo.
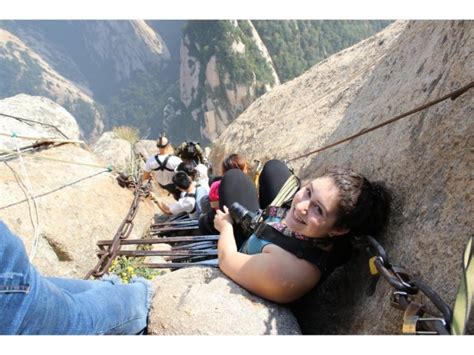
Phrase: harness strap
[300,248]
[288,190]
[162,165]
[193,195]
[462,305]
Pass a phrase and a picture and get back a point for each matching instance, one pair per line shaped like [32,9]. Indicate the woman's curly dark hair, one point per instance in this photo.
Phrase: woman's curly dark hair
[364,206]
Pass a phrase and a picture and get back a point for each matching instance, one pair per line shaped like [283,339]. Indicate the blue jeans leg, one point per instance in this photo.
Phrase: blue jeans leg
[33,304]
[86,307]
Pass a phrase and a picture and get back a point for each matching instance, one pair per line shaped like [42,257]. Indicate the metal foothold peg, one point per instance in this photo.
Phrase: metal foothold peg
[410,318]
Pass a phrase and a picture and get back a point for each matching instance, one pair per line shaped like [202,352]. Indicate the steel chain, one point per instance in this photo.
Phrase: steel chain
[408,293]
[123,232]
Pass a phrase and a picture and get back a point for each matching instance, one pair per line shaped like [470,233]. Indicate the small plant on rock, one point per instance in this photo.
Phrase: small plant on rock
[126,268]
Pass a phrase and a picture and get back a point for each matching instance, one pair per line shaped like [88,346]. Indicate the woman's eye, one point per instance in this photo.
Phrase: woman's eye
[318,210]
[307,192]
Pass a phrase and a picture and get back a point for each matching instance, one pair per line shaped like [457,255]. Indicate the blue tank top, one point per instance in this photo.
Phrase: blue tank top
[254,245]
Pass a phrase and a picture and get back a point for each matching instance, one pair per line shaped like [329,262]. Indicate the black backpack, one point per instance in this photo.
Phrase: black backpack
[190,150]
[162,165]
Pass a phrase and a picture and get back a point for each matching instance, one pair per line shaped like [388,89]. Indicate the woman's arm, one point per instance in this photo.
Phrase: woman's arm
[146,175]
[163,206]
[184,204]
[274,274]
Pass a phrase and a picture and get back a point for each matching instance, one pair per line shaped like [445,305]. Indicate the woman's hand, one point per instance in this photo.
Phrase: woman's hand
[222,220]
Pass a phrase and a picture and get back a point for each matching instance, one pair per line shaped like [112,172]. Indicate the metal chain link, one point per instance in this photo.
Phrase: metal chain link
[408,294]
[123,232]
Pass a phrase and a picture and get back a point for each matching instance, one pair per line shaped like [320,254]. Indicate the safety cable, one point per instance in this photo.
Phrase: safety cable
[6,155]
[33,121]
[109,167]
[29,194]
[452,95]
[48,139]
[57,189]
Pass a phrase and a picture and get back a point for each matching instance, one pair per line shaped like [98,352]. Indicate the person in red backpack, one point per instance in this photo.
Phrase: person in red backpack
[233,161]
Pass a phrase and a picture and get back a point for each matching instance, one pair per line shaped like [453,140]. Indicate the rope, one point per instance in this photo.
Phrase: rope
[53,140]
[452,95]
[29,194]
[57,189]
[32,121]
[108,167]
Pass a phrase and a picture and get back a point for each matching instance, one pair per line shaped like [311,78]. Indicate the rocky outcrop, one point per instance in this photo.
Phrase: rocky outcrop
[41,110]
[77,200]
[425,159]
[114,151]
[110,50]
[188,74]
[128,45]
[202,301]
[265,54]
[216,96]
[33,74]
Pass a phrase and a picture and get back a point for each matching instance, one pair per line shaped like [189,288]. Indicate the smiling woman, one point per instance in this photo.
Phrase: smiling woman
[297,244]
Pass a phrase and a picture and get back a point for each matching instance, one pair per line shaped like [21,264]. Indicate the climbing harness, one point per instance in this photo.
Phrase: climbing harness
[162,165]
[258,171]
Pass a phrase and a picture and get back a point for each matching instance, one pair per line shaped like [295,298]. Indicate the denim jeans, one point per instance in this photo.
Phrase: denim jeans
[33,304]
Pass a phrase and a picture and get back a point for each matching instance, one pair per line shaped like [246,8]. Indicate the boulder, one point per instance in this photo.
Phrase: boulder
[35,108]
[78,203]
[203,301]
[425,159]
[146,148]
[114,151]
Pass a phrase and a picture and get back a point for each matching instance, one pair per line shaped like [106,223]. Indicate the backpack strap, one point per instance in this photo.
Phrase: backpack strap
[162,165]
[298,247]
[193,195]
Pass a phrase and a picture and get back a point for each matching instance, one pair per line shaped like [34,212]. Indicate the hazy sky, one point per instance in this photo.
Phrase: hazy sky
[236,9]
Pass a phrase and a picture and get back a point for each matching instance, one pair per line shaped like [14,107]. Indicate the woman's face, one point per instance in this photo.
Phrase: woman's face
[314,208]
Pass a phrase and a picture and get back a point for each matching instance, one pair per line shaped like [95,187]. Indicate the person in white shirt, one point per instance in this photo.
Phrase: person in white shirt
[192,170]
[190,198]
[163,165]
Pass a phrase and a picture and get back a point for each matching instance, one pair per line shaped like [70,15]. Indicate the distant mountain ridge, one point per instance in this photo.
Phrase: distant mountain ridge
[192,81]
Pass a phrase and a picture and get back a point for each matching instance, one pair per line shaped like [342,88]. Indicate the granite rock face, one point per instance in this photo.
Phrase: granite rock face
[203,301]
[425,159]
[114,151]
[77,200]
[40,109]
